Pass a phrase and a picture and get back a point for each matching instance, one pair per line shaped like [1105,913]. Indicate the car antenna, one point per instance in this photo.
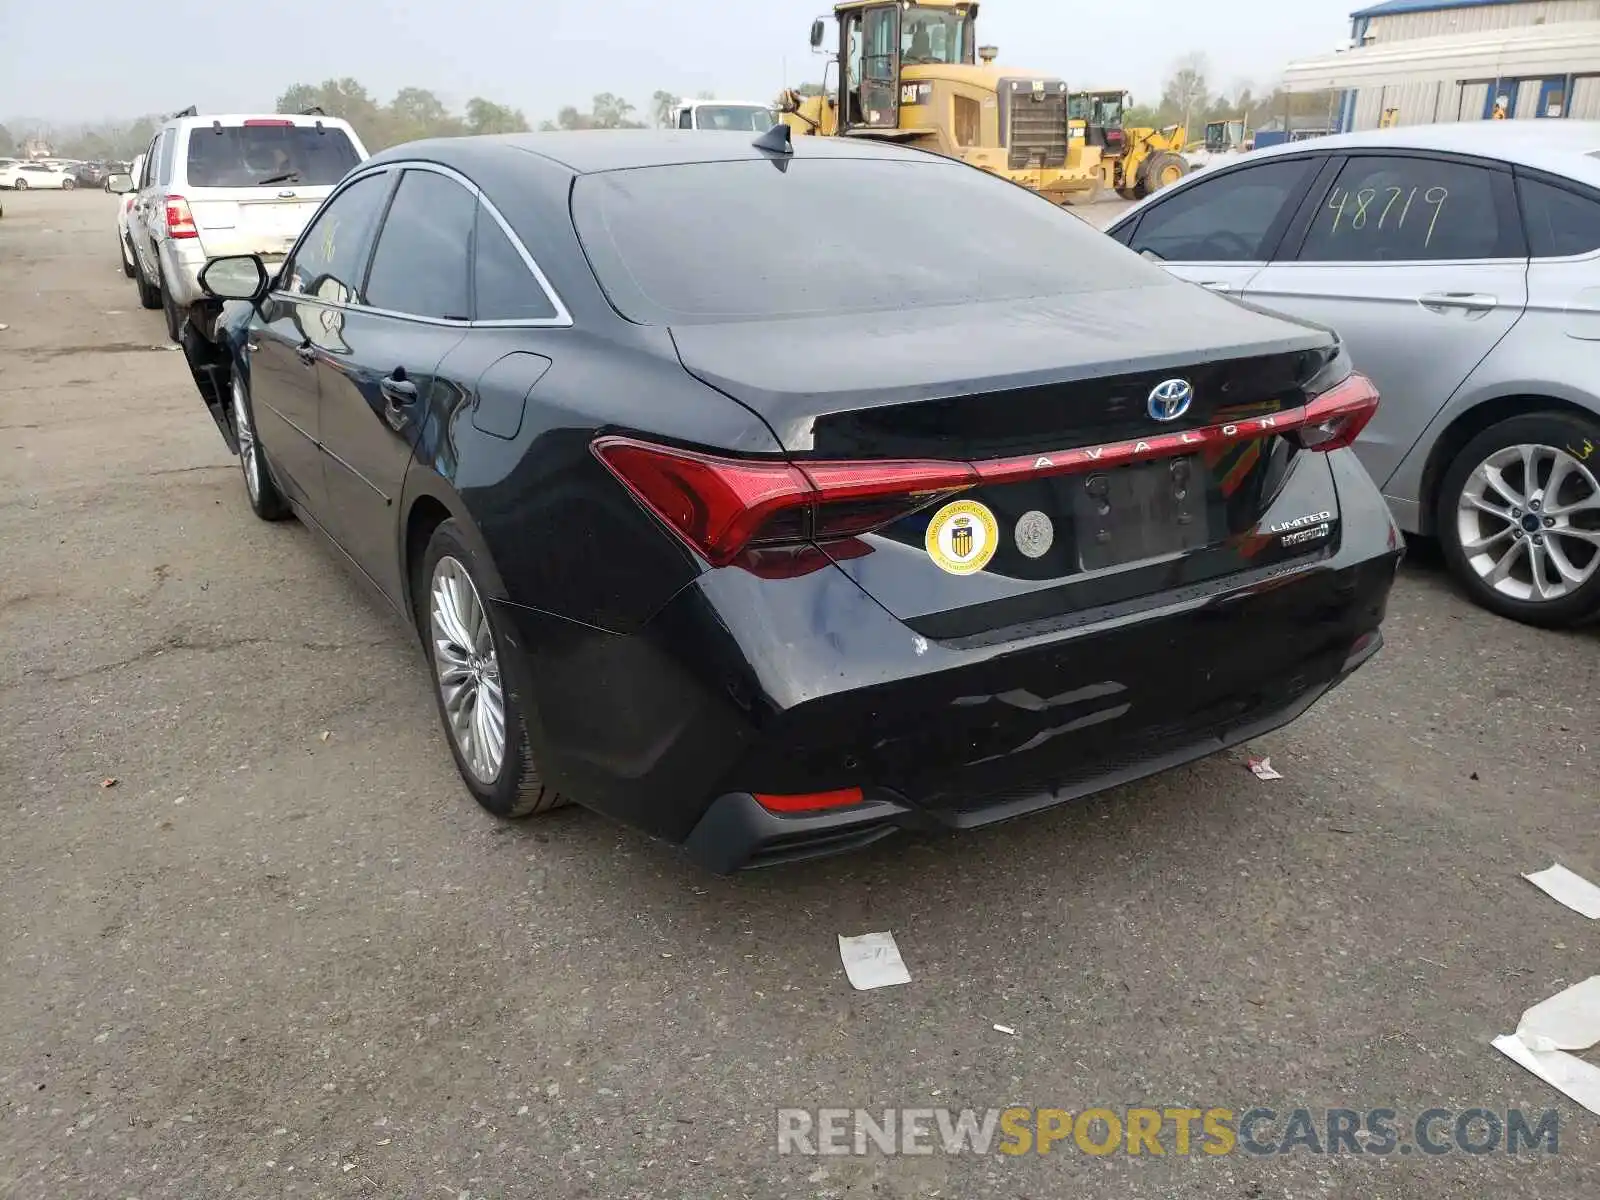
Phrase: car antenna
[314,111]
[775,140]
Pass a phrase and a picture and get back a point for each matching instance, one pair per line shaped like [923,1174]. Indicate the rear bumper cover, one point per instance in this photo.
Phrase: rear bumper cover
[801,682]
[738,834]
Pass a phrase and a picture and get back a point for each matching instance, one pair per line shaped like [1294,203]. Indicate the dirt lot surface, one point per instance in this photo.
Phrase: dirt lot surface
[285,955]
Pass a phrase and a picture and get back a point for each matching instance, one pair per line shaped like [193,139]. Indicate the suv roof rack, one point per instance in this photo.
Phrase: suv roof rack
[191,111]
[314,111]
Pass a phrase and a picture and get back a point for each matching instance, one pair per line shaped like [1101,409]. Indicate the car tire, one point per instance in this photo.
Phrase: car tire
[21,185]
[266,501]
[169,309]
[474,669]
[149,297]
[129,267]
[1519,551]
[68,184]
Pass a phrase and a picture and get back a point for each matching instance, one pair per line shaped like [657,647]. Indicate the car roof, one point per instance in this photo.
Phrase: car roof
[587,151]
[1562,147]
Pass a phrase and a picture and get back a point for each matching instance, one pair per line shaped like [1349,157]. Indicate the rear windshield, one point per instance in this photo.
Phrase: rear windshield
[260,155]
[727,241]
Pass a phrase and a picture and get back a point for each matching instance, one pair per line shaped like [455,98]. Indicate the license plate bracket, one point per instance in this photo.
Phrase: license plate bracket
[1142,511]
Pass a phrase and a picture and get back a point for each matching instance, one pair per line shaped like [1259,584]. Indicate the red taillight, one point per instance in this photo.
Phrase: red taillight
[811,801]
[265,121]
[180,221]
[1336,418]
[720,506]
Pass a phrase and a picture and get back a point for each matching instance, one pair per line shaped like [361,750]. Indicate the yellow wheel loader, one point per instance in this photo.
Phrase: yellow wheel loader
[1134,160]
[911,71]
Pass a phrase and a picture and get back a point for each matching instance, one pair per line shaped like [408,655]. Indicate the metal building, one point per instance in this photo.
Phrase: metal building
[1415,62]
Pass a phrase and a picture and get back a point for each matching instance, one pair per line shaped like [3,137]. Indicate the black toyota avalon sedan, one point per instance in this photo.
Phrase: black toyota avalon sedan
[775,497]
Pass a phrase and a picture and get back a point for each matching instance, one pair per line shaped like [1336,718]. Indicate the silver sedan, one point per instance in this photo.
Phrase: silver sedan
[1461,265]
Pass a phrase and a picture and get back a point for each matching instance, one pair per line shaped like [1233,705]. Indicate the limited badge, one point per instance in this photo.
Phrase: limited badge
[1035,534]
[962,537]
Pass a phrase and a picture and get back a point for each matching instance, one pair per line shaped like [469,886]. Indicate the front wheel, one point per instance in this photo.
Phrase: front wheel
[68,184]
[1519,518]
[266,501]
[479,685]
[21,185]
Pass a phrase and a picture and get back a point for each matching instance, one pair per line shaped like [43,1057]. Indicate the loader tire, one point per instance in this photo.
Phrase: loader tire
[1161,170]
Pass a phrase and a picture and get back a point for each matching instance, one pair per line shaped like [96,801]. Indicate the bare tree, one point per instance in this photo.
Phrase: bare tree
[662,105]
[1187,88]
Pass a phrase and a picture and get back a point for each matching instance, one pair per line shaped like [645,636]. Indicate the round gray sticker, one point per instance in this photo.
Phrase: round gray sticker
[1035,534]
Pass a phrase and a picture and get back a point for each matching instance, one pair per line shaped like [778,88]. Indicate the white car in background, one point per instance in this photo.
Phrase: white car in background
[215,186]
[24,176]
[743,116]
[124,204]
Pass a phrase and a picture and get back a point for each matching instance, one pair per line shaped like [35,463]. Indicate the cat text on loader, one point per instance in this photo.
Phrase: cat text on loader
[908,71]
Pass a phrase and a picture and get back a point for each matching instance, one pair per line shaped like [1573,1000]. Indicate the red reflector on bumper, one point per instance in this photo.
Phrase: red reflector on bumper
[811,801]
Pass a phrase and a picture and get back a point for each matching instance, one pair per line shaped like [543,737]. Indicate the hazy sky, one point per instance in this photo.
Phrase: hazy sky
[90,59]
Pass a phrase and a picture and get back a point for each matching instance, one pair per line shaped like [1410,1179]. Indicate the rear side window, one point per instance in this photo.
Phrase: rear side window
[267,154]
[1560,223]
[168,140]
[503,287]
[1405,210]
[746,240]
[420,265]
[1225,219]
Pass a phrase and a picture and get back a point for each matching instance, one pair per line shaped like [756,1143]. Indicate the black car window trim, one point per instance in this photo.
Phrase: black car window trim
[562,318]
[1273,240]
[1582,191]
[1511,241]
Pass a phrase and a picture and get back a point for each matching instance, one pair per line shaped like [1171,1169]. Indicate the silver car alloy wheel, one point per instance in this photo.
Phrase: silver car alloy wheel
[1529,523]
[245,432]
[468,670]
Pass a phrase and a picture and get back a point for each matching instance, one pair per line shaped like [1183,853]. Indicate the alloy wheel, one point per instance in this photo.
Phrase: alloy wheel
[1528,520]
[246,434]
[468,670]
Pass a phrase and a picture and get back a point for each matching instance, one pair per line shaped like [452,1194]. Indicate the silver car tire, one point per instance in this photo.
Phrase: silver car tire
[1519,518]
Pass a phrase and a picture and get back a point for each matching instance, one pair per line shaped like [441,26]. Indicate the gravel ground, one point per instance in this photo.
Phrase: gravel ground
[286,955]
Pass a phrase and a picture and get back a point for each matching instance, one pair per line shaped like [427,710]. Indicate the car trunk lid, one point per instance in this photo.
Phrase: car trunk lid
[1092,487]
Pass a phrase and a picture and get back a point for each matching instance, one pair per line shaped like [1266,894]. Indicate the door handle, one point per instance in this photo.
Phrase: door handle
[1216,285]
[1441,302]
[307,353]
[397,389]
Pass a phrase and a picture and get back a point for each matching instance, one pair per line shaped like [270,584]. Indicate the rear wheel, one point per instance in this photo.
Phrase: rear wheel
[266,501]
[149,297]
[478,684]
[1519,518]
[169,309]
[21,184]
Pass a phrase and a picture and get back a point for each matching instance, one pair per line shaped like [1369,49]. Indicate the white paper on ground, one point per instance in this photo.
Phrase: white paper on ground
[1569,1020]
[1570,888]
[1262,768]
[872,961]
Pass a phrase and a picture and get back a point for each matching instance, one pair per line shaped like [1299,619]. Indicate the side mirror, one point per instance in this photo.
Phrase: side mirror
[817,30]
[120,184]
[236,277]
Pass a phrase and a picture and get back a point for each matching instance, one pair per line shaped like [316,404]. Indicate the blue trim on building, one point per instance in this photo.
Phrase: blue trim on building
[1391,7]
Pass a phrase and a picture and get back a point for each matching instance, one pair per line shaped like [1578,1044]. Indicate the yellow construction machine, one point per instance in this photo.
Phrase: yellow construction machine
[911,71]
[1135,160]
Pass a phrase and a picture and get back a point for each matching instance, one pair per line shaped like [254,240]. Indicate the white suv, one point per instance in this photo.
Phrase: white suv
[241,184]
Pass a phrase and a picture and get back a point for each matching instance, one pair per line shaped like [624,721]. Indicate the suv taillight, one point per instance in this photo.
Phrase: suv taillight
[180,221]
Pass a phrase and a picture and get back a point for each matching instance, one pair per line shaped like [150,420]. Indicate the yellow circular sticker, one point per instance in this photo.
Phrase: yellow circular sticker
[962,537]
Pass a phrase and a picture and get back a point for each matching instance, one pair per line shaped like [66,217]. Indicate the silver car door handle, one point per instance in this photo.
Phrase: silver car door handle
[1468,301]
